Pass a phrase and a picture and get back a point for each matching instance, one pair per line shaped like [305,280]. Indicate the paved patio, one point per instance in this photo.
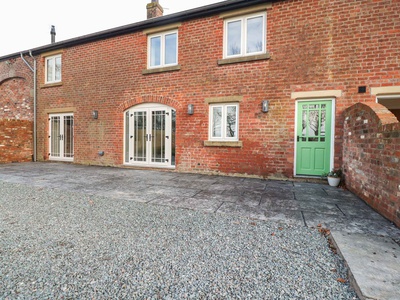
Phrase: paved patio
[348,218]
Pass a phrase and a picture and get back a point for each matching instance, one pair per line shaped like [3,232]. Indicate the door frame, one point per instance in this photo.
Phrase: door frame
[126,147]
[61,115]
[332,141]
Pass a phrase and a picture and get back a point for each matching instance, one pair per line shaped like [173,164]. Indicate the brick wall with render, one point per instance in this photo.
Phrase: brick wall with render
[16,111]
[371,157]
[314,45]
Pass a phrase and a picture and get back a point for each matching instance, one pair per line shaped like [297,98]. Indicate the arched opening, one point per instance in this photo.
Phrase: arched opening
[149,135]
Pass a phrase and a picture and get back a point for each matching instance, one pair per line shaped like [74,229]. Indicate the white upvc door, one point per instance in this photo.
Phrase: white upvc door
[61,137]
[150,136]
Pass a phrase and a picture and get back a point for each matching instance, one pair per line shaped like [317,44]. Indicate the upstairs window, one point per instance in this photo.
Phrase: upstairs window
[163,49]
[245,35]
[53,69]
[224,122]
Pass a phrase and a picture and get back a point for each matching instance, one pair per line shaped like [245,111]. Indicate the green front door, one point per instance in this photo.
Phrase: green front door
[313,152]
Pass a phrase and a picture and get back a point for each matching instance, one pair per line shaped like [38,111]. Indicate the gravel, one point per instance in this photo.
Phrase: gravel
[65,245]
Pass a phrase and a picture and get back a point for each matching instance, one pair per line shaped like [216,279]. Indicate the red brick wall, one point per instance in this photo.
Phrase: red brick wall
[371,157]
[16,111]
[15,141]
[314,45]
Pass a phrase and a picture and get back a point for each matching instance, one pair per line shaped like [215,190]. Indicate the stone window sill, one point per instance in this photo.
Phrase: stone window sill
[233,144]
[47,85]
[160,70]
[227,61]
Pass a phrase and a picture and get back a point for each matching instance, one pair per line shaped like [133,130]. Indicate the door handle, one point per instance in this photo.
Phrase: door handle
[298,138]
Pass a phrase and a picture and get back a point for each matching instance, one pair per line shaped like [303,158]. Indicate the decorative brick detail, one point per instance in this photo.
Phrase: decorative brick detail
[149,99]
[371,157]
[16,141]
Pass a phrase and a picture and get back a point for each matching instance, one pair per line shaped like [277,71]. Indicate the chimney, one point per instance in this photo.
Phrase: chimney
[154,9]
[53,34]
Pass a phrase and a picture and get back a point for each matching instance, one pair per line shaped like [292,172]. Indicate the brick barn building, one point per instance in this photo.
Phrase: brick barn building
[258,88]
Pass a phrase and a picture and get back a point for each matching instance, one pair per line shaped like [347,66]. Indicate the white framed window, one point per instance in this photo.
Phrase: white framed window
[245,35]
[53,69]
[163,49]
[224,121]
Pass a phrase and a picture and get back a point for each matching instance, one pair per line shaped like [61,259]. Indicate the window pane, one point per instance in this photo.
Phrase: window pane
[255,40]
[58,69]
[155,51]
[170,48]
[234,38]
[50,67]
[216,122]
[231,121]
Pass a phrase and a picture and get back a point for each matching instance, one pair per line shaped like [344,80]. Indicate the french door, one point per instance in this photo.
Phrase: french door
[61,136]
[150,135]
[313,140]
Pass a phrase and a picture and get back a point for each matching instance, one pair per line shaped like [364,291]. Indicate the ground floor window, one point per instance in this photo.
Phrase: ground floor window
[224,122]
[150,135]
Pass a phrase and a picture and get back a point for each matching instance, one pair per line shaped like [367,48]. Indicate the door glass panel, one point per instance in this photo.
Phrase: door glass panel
[173,130]
[304,123]
[55,136]
[313,123]
[140,136]
[68,136]
[127,136]
[323,121]
[158,136]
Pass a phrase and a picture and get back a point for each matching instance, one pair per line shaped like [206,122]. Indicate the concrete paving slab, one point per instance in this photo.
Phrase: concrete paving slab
[278,194]
[374,263]
[286,216]
[242,210]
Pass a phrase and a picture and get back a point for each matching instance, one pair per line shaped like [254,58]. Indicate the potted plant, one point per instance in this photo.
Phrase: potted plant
[334,177]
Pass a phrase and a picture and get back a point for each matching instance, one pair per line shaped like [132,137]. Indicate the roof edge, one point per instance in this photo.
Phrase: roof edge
[203,11]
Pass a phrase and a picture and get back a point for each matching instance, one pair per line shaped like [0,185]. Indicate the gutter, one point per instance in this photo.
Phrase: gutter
[33,69]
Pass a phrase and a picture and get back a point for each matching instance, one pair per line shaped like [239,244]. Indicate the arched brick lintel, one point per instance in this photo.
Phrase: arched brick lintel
[149,99]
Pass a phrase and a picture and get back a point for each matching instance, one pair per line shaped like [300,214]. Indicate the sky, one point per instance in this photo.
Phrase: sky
[26,24]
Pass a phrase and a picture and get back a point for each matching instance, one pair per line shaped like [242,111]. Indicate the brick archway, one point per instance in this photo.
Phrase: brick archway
[149,99]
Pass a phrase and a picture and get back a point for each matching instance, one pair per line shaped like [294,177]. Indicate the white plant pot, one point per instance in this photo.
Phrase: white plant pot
[333,181]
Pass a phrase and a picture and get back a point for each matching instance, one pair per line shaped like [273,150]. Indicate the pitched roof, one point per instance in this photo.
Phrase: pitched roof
[186,15]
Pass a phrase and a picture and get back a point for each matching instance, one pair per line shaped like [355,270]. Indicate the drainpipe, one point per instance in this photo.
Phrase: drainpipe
[34,100]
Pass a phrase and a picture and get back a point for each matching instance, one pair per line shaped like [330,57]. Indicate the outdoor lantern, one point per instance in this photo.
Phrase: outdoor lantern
[190,109]
[95,114]
[265,105]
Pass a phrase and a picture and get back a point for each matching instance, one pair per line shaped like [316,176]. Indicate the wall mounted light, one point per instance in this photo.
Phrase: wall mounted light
[265,104]
[95,114]
[190,109]
[101,153]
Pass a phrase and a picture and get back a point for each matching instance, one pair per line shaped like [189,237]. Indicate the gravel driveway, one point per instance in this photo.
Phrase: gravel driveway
[66,245]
